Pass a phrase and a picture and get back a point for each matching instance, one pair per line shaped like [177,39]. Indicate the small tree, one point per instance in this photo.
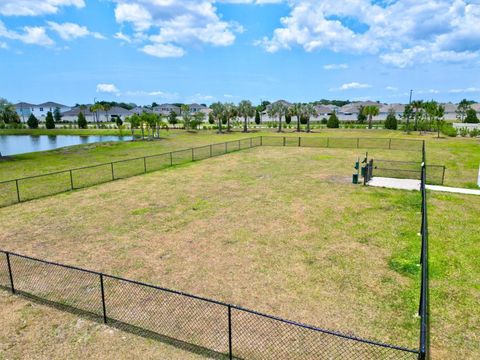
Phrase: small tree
[211,118]
[172,118]
[471,116]
[462,108]
[118,121]
[391,121]
[7,112]
[57,115]
[288,118]
[134,123]
[186,116]
[82,122]
[407,115]
[361,117]
[333,122]
[370,111]
[217,114]
[257,117]
[49,122]
[198,119]
[32,122]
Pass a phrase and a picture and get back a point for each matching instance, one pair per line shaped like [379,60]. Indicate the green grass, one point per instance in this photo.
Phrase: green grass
[280,230]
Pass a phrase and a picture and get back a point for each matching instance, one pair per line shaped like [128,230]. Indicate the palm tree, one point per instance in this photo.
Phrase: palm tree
[418,106]
[95,108]
[107,108]
[246,110]
[308,110]
[217,112]
[280,109]
[7,111]
[134,123]
[371,111]
[230,112]
[296,110]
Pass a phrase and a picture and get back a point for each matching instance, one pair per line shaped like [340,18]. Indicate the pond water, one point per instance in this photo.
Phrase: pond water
[20,144]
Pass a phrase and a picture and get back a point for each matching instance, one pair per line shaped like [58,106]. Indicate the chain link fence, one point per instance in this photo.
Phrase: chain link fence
[33,187]
[409,170]
[224,330]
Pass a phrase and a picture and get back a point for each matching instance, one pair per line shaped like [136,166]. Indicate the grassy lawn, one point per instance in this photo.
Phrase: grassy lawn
[278,230]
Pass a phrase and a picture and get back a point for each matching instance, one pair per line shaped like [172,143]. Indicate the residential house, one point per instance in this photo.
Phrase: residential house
[40,111]
[165,109]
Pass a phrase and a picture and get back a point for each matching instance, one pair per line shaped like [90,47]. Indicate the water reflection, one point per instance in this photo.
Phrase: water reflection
[19,144]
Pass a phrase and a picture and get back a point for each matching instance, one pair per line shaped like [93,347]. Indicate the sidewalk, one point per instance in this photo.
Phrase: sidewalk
[410,184]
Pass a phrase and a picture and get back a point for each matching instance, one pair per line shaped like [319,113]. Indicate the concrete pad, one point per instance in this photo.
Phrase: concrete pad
[392,183]
[411,184]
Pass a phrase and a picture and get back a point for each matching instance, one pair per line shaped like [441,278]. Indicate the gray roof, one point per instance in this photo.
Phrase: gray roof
[24,104]
[51,104]
[322,109]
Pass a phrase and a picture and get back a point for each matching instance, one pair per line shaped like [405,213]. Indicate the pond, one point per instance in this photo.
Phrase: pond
[20,144]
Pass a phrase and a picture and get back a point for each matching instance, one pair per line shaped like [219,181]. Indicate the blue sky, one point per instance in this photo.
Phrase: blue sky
[205,50]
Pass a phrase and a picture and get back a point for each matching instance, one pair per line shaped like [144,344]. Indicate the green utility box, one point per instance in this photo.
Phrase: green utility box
[355,178]
[363,171]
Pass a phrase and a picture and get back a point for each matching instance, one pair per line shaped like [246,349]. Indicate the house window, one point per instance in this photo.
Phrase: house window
[41,109]
[33,109]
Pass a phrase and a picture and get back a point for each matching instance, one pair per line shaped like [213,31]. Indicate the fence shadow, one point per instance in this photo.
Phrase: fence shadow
[122,326]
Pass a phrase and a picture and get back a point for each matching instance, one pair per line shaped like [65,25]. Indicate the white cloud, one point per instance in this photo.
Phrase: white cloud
[429,91]
[391,88]
[107,88]
[163,50]
[404,32]
[466,90]
[3,45]
[166,27]
[201,98]
[353,85]
[335,66]
[31,35]
[69,31]
[35,7]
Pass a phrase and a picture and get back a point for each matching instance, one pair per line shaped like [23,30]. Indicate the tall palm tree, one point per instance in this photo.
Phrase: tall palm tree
[217,112]
[95,108]
[371,111]
[308,110]
[230,112]
[296,110]
[280,109]
[246,110]
[107,108]
[418,107]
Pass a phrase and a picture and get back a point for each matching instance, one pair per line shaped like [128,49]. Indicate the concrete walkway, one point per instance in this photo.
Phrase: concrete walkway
[410,184]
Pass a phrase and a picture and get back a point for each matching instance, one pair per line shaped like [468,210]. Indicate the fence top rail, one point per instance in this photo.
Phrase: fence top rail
[342,137]
[221,303]
[117,161]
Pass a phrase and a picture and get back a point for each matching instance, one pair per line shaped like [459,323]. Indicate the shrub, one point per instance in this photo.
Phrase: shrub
[449,130]
[391,121]
[32,122]
[474,132]
[49,122]
[463,132]
[471,116]
[324,121]
[82,122]
[333,122]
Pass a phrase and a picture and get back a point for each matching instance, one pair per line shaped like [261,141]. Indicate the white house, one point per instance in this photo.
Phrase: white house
[165,109]
[40,111]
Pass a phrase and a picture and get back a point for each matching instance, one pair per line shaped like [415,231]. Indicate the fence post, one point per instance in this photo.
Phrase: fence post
[113,174]
[239,146]
[210,150]
[226,147]
[171,159]
[328,141]
[71,180]
[144,164]
[443,174]
[299,141]
[18,190]
[230,350]
[261,140]
[250,142]
[10,272]
[358,142]
[390,144]
[103,300]
[193,155]
[284,140]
